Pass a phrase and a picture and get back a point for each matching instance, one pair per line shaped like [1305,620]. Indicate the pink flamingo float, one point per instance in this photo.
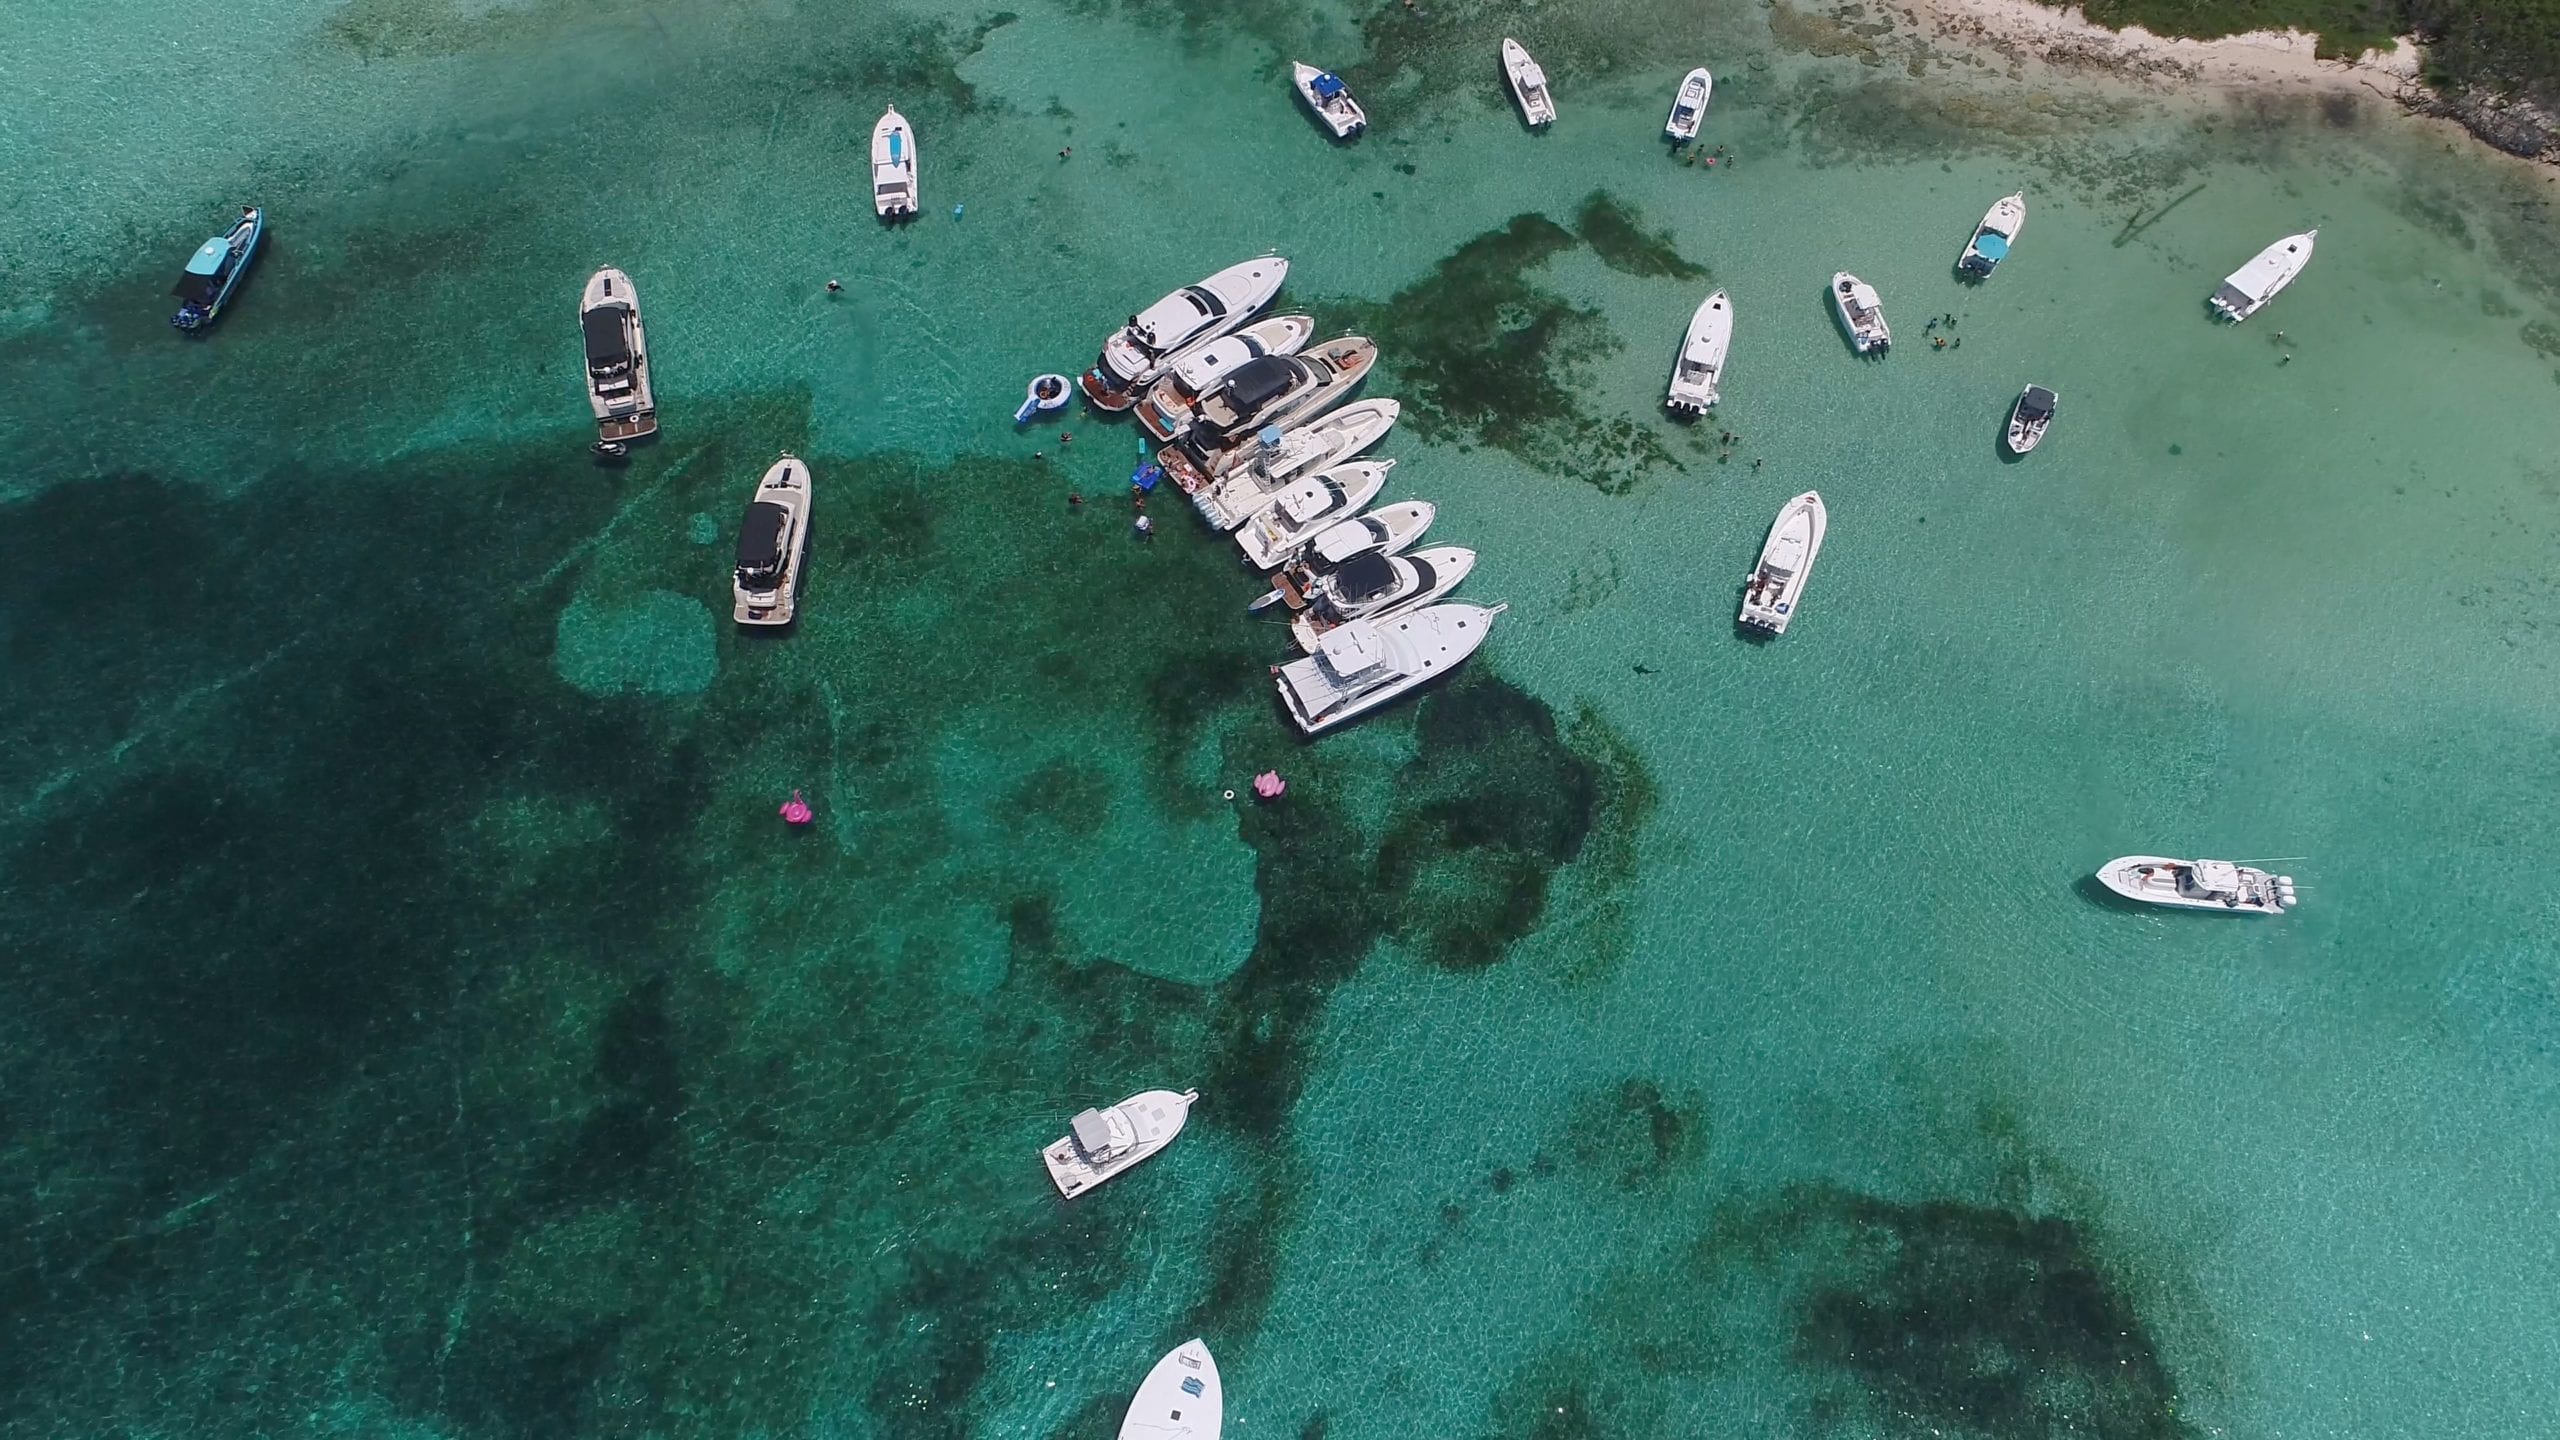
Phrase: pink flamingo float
[796,811]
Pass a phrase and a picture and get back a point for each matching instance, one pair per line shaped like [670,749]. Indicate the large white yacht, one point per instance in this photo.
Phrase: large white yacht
[1279,390]
[1689,106]
[1179,1399]
[1330,99]
[617,358]
[1279,458]
[1302,511]
[771,545]
[1861,314]
[2198,884]
[1700,368]
[1528,84]
[1993,237]
[1363,665]
[1387,530]
[893,166]
[1166,411]
[2254,284]
[1379,587]
[1101,1143]
[1786,558]
[1156,337]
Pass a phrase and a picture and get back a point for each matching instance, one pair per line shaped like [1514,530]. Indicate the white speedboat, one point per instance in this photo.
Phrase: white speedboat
[1363,665]
[2029,417]
[1861,313]
[1700,368]
[1166,411]
[1156,337]
[1528,84]
[1690,105]
[2254,284]
[1786,558]
[1330,99]
[1179,1400]
[1278,458]
[893,166]
[1993,237]
[1306,508]
[617,358]
[1379,587]
[1388,530]
[1101,1143]
[2198,884]
[1276,390]
[771,545]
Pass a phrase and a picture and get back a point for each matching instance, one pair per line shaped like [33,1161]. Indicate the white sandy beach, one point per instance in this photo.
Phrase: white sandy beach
[2022,29]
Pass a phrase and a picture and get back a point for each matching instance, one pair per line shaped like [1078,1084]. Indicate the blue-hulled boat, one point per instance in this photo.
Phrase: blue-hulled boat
[215,270]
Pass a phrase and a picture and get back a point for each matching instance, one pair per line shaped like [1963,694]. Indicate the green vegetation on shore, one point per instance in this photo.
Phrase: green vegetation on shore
[2511,46]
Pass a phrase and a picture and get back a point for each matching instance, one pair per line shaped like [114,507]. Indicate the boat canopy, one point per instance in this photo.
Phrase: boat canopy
[760,539]
[1992,244]
[1366,577]
[1093,1132]
[2220,876]
[2037,402]
[1326,86]
[1531,76]
[1352,650]
[1258,382]
[608,343]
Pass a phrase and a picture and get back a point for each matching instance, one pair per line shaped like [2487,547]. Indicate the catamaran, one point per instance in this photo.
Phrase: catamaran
[1786,558]
[1993,237]
[1690,105]
[216,268]
[2252,285]
[893,166]
[1700,368]
[1156,337]
[2198,884]
[1528,84]
[618,387]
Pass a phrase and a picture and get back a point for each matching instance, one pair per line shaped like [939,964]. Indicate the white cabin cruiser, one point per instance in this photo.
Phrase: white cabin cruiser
[1101,1143]
[1166,411]
[1156,337]
[1278,457]
[1861,313]
[2254,284]
[1786,558]
[1700,368]
[617,358]
[1306,508]
[1528,84]
[1363,665]
[893,166]
[1179,1400]
[2029,417]
[771,545]
[1689,106]
[1379,587]
[2198,884]
[1277,390]
[1330,99]
[1387,530]
[1993,237]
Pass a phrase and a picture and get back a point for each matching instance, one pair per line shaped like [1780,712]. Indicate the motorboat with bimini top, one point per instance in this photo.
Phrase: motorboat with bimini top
[1786,558]
[1330,99]
[1700,368]
[1528,84]
[1101,1143]
[1993,237]
[1156,337]
[1360,666]
[893,166]
[1280,457]
[1689,106]
[1044,394]
[618,386]
[1303,510]
[2198,884]
[2252,285]
[1179,1399]
[1861,313]
[216,269]
[1166,412]
[2029,417]
[1379,587]
[1387,530]
[1280,390]
[771,545]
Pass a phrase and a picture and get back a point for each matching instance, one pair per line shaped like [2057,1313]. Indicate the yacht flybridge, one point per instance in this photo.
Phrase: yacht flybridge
[1101,1143]
[1156,338]
[2198,884]
[2251,286]
[1180,1400]
[1362,665]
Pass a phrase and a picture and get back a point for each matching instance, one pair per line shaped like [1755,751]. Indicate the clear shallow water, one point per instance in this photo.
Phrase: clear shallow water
[419,1025]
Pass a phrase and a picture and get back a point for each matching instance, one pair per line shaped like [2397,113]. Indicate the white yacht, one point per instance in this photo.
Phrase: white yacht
[1528,84]
[1700,368]
[1379,587]
[1993,237]
[2029,417]
[1777,582]
[1277,458]
[1276,390]
[1363,665]
[1861,313]
[771,545]
[2254,284]
[1387,530]
[1156,337]
[1166,411]
[1304,510]
[1330,99]
[1179,1400]
[1690,105]
[2198,884]
[893,166]
[617,358]
[1101,1143]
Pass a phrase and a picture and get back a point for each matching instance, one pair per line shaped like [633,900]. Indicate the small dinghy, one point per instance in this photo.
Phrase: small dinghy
[1330,99]
[618,387]
[1360,666]
[1993,237]
[215,270]
[2198,884]
[1279,458]
[1179,1399]
[1306,508]
[1777,582]
[1045,393]
[1166,413]
[1700,368]
[893,166]
[1861,313]
[1528,84]
[1158,337]
[1690,105]
[2029,417]
[2263,278]
[1387,530]
[771,544]
[1379,587]
[1101,1143]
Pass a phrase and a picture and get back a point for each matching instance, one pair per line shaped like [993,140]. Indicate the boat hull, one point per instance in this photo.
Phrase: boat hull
[1771,595]
[2152,880]
[1529,89]
[244,237]
[1849,296]
[2003,221]
[1697,375]
[1074,1173]
[1249,486]
[1449,565]
[1269,543]
[894,191]
[1437,640]
[1689,105]
[1167,411]
[1341,116]
[2247,290]
[1180,1399]
[1165,333]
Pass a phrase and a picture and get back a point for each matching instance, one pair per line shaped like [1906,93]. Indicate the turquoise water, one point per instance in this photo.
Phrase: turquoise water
[418,1023]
